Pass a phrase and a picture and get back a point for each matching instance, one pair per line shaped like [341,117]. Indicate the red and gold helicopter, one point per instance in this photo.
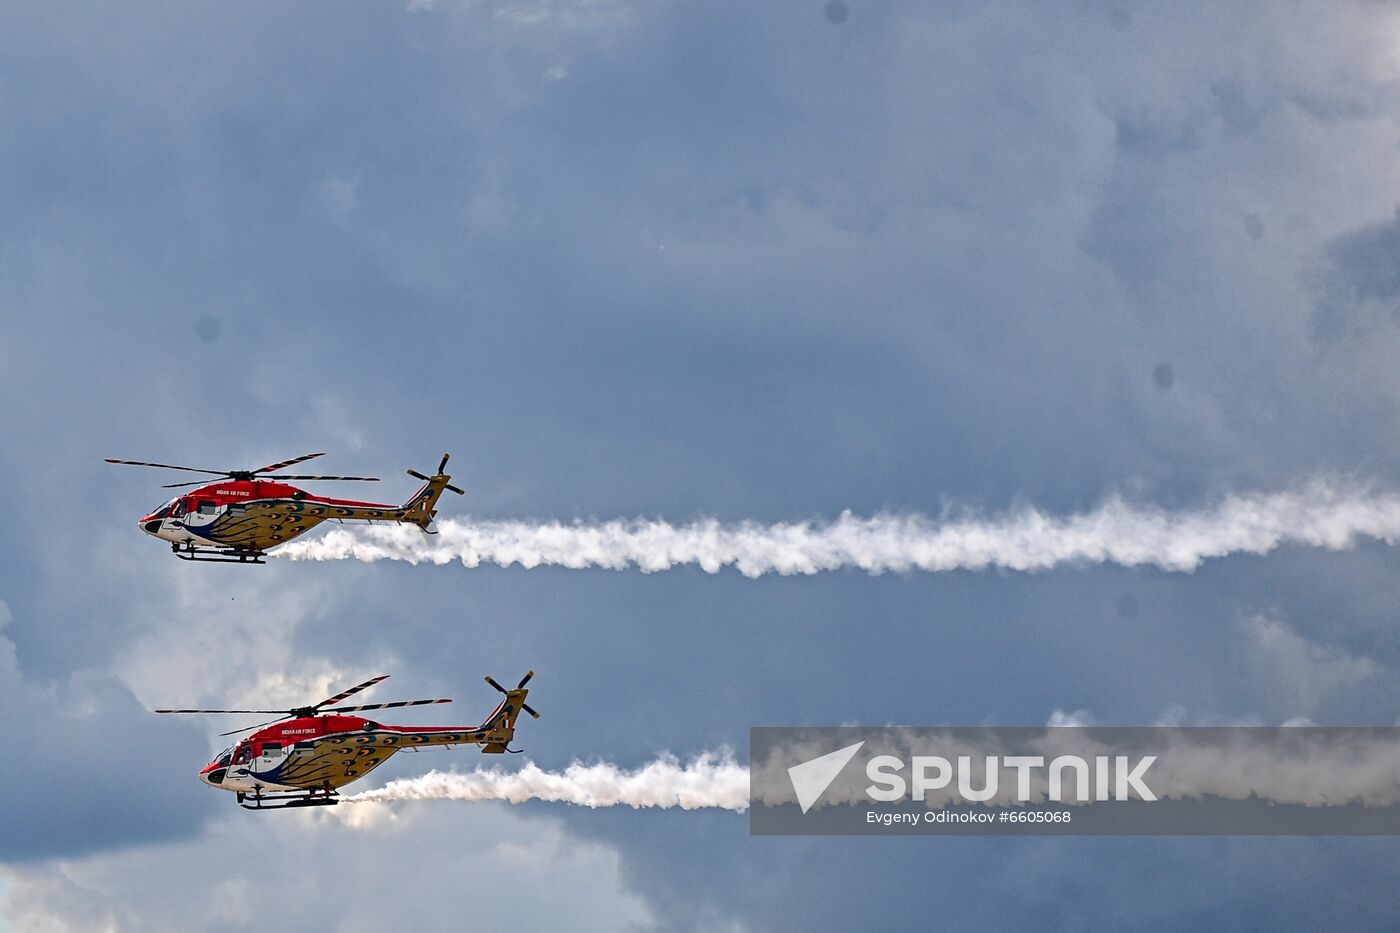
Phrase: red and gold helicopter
[238,518]
[303,759]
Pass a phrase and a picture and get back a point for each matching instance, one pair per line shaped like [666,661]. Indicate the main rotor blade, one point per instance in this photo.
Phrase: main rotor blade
[258,726]
[346,694]
[394,705]
[285,463]
[168,466]
[254,711]
[193,482]
[363,479]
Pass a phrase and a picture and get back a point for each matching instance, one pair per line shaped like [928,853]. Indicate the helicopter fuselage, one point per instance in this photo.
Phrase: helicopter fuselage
[255,515]
[240,517]
[326,752]
[303,758]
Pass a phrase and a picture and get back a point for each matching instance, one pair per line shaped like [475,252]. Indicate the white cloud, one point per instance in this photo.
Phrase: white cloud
[568,14]
[233,644]
[425,869]
[339,195]
[332,416]
[1302,672]
[1079,717]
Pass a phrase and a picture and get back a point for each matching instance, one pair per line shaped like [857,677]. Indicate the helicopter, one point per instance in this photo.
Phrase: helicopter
[303,758]
[240,517]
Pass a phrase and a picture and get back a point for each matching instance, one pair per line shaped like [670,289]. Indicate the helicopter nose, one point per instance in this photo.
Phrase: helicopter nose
[214,776]
[150,526]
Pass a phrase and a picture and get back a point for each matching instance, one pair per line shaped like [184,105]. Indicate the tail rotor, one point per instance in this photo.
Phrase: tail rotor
[439,475]
[520,686]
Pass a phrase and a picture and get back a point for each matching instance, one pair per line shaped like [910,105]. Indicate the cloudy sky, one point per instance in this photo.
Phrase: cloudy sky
[650,258]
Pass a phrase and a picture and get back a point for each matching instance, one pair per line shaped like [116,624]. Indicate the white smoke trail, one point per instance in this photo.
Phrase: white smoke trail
[709,781]
[1326,514]
[1311,767]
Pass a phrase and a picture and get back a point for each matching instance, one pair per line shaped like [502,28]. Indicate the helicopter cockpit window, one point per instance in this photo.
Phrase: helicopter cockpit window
[164,509]
[178,509]
[245,755]
[225,757]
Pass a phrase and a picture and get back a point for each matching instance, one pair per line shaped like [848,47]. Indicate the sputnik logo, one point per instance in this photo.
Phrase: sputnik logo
[811,778]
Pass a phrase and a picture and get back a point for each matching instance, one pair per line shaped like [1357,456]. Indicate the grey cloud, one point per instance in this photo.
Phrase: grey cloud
[1359,283]
[89,769]
[815,334]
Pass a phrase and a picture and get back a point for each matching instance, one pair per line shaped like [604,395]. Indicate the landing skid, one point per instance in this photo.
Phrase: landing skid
[310,798]
[218,555]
